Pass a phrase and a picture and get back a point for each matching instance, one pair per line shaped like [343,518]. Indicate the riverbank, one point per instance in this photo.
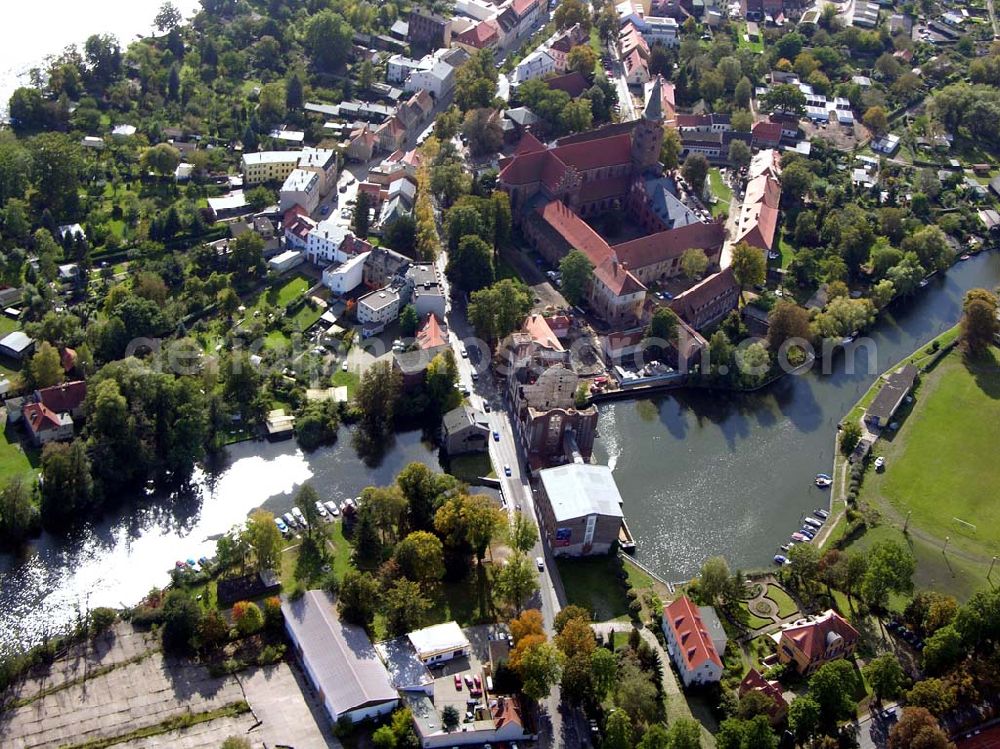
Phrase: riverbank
[934,494]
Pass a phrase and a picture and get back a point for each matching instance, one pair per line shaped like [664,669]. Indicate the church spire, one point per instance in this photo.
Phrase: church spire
[654,100]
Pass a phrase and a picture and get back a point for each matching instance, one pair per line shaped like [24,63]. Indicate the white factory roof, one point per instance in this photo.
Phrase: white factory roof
[272,157]
[576,490]
[17,341]
[440,638]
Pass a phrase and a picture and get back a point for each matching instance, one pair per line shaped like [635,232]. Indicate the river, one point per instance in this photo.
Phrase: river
[116,560]
[706,473]
[702,473]
[30,33]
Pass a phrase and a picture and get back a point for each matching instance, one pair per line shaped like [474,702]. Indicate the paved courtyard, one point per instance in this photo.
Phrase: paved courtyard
[122,683]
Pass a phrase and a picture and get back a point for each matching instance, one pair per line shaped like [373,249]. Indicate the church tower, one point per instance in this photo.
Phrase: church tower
[647,134]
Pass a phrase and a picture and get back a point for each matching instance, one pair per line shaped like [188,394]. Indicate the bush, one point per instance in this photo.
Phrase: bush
[273,618]
[145,617]
[270,654]
[101,619]
[248,617]
[635,608]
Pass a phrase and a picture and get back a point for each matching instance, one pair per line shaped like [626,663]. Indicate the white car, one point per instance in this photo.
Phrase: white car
[879,463]
[540,563]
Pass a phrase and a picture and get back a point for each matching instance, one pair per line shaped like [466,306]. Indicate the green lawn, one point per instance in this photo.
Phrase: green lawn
[348,379]
[469,468]
[592,582]
[941,465]
[275,339]
[786,606]
[7,325]
[14,461]
[306,317]
[742,41]
[754,621]
[720,190]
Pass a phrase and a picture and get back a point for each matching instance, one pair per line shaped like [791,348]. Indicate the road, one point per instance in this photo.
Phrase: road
[627,110]
[565,727]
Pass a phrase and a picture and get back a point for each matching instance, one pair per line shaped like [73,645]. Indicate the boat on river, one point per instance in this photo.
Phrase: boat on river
[823,480]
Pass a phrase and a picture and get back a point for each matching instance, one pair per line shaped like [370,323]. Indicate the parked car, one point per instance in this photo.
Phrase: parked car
[506,471]
[458,682]
[496,436]
[540,563]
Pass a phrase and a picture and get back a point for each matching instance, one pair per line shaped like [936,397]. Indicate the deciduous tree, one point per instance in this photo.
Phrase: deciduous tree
[577,272]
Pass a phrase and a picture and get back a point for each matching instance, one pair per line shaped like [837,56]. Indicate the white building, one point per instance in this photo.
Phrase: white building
[268,166]
[323,161]
[121,132]
[379,307]
[285,261]
[439,643]
[296,137]
[339,660]
[580,508]
[437,80]
[690,643]
[399,67]
[536,65]
[324,242]
[301,187]
[347,276]
[654,30]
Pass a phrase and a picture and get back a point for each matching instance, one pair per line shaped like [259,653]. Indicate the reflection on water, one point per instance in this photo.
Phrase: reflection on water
[705,473]
[115,561]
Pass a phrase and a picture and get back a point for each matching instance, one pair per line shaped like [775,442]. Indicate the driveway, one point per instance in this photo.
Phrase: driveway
[287,708]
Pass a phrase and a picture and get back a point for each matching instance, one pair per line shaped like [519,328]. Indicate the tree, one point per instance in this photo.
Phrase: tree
[67,487]
[979,322]
[571,12]
[294,93]
[935,695]
[663,325]
[943,649]
[327,40]
[236,742]
[885,676]
[850,436]
[401,235]
[248,617]
[265,541]
[618,731]
[577,272]
[357,598]
[582,59]
[516,580]
[883,292]
[576,638]
[749,266]
[167,17]
[743,92]
[930,245]
[804,567]
[876,120]
[637,695]
[787,320]
[404,607]
[181,617]
[604,668]
[577,685]
[832,686]
[450,718]
[804,717]
[540,668]
[57,165]
[695,171]
[694,263]
[409,321]
[362,219]
[375,397]
[306,499]
[476,81]
[421,557]
[161,159]
[742,122]
[19,516]
[523,534]
[670,151]
[890,570]
[499,309]
[43,369]
[482,129]
[713,578]
[483,520]
[784,98]
[739,154]
[470,266]
[577,115]
[918,729]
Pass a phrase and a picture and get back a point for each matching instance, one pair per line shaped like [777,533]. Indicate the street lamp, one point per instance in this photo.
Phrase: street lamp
[946,540]
[907,523]
[991,568]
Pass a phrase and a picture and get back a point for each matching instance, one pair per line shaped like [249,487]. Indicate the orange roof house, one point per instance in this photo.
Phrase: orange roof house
[754,682]
[689,643]
[811,643]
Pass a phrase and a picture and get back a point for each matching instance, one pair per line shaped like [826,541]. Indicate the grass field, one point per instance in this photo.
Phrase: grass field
[346,379]
[591,582]
[786,606]
[14,461]
[941,465]
[720,190]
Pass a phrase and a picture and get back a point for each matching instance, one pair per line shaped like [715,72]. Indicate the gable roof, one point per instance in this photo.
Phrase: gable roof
[691,301]
[694,644]
[573,83]
[40,419]
[341,657]
[65,397]
[654,248]
[755,682]
[813,638]
[538,328]
[431,333]
[481,35]
[769,132]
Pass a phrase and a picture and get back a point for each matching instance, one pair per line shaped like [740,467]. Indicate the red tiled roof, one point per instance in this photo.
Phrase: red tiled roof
[617,277]
[693,120]
[573,83]
[769,132]
[811,638]
[575,231]
[65,397]
[596,154]
[532,165]
[686,305]
[598,189]
[692,638]
[39,418]
[528,144]
[538,328]
[654,248]
[634,60]
[431,333]
[480,35]
[506,711]
[758,219]
[521,7]
[754,682]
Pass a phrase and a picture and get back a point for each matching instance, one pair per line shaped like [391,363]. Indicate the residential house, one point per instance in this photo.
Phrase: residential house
[268,166]
[436,80]
[439,643]
[536,65]
[689,644]
[563,42]
[391,134]
[345,277]
[362,144]
[297,225]
[708,301]
[573,83]
[465,431]
[766,135]
[808,645]
[384,266]
[636,69]
[45,425]
[301,187]
[580,509]
[755,682]
[378,308]
[484,35]
[425,291]
[338,659]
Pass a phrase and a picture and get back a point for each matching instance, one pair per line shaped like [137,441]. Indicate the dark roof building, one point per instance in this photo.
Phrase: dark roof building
[888,400]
